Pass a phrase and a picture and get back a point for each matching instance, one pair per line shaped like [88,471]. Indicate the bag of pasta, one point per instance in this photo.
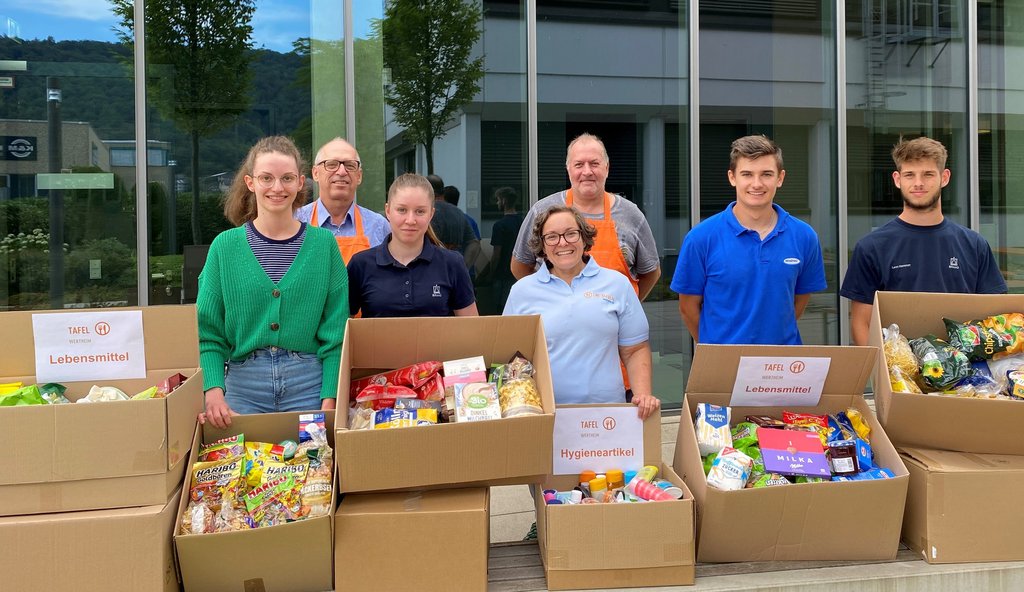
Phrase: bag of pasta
[903,365]
[942,365]
[517,389]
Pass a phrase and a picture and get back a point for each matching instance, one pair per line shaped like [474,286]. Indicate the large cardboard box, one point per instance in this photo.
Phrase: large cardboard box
[294,556]
[495,452]
[434,540]
[857,520]
[95,551]
[590,546]
[935,421]
[960,506]
[103,455]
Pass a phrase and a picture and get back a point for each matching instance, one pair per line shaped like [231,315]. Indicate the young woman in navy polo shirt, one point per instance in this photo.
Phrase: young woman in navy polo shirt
[410,274]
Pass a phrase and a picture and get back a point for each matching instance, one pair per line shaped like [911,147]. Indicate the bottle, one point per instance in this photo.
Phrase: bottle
[615,479]
[585,478]
[648,473]
[598,486]
[650,492]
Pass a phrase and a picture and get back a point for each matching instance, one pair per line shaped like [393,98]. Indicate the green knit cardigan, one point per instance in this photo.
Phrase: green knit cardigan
[241,310]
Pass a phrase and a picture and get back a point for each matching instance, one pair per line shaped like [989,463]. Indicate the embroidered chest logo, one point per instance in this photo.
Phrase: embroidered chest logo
[954,263]
[791,261]
[606,297]
[436,293]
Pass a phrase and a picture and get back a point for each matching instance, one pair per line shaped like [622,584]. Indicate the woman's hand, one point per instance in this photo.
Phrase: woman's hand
[217,410]
[645,405]
[328,404]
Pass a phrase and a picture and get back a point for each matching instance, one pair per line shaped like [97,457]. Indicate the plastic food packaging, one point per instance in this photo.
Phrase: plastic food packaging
[214,484]
[53,393]
[712,426]
[28,395]
[651,492]
[517,388]
[223,448]
[730,470]
[410,376]
[942,365]
[992,337]
[818,423]
[900,360]
[102,394]
[476,401]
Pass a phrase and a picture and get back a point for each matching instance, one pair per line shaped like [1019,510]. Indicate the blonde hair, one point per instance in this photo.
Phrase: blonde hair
[922,148]
[239,202]
[414,181]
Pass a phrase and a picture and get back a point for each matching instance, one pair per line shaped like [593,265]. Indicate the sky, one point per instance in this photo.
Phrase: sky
[276,23]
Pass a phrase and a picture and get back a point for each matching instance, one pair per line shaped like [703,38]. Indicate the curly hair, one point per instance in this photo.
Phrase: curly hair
[239,202]
[536,242]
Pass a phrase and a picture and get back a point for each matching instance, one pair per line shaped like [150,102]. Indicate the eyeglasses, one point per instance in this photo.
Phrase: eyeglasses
[332,165]
[267,181]
[571,236]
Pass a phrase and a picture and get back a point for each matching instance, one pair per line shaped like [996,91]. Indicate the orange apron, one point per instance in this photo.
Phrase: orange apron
[349,245]
[607,253]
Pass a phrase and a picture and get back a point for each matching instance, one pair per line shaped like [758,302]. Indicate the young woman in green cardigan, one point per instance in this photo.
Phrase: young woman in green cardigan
[273,296]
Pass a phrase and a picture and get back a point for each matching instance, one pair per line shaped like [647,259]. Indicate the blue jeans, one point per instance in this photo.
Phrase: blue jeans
[274,379]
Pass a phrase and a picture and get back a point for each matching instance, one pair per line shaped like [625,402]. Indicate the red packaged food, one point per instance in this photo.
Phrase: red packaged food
[818,423]
[378,396]
[410,376]
[432,389]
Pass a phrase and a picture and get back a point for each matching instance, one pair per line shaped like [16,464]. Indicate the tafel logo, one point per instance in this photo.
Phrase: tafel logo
[102,328]
[609,423]
[797,367]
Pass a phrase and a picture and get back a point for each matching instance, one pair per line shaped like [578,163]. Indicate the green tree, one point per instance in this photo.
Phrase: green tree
[427,46]
[207,45]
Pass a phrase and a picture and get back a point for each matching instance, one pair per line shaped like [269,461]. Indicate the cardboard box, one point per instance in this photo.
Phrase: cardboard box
[423,540]
[495,452]
[294,556]
[590,546]
[934,421]
[101,455]
[96,551]
[857,520]
[960,506]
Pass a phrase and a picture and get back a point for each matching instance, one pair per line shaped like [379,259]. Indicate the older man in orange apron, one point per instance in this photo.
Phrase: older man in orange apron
[624,239]
[338,172]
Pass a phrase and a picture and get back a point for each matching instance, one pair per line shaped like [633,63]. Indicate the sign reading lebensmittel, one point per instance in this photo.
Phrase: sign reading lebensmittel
[770,381]
[89,346]
[597,439]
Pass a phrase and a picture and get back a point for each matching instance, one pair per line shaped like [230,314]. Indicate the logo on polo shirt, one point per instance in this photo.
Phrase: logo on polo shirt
[791,261]
[436,293]
[954,263]
[608,297]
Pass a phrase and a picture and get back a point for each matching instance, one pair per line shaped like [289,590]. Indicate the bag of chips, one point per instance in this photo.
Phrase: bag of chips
[942,365]
[992,337]
[817,423]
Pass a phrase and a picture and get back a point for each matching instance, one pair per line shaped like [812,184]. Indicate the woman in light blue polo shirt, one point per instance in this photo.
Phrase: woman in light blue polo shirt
[410,274]
[592,317]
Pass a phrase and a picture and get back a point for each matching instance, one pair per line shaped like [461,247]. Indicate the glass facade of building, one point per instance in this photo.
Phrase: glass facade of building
[86,220]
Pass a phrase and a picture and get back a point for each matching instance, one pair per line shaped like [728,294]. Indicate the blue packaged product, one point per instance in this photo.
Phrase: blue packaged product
[836,431]
[867,475]
[864,455]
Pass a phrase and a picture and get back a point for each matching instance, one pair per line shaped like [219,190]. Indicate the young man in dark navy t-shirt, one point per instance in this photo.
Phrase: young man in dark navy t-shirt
[919,251]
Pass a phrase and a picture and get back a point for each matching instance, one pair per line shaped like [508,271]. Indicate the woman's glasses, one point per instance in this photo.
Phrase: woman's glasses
[571,236]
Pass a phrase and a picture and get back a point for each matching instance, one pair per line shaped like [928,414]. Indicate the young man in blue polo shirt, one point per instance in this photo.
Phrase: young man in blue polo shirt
[745,275]
[920,250]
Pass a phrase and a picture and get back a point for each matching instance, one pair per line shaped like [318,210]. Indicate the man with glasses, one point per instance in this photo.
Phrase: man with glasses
[338,173]
[624,240]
